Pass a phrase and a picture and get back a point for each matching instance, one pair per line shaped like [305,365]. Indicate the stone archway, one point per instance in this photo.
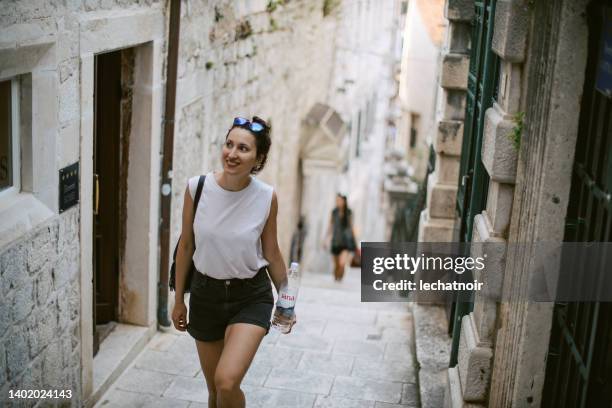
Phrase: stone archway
[323,153]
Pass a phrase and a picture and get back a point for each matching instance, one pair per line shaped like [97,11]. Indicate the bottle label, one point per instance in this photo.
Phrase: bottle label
[286,297]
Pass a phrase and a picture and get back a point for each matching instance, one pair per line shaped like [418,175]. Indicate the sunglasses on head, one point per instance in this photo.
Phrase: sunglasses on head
[245,123]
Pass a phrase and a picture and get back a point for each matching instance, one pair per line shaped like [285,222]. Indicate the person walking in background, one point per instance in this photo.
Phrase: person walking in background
[232,240]
[297,242]
[340,235]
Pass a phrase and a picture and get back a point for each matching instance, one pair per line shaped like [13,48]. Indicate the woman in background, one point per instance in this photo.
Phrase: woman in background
[340,235]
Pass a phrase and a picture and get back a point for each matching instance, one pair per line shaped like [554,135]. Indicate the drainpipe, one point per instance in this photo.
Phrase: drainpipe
[166,170]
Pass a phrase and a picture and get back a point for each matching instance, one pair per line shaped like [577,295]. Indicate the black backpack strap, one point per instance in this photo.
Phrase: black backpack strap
[198,193]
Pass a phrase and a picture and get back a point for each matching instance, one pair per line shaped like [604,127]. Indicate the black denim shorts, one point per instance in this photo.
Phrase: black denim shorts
[216,303]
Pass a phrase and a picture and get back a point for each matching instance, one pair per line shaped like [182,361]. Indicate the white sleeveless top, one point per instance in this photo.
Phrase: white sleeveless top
[227,228]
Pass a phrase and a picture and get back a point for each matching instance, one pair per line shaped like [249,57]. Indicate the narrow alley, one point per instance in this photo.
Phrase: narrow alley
[341,353]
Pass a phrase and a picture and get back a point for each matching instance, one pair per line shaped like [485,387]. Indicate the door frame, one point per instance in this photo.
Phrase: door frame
[138,285]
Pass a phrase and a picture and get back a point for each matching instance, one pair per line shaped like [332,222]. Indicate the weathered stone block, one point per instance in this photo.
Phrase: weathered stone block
[453,104]
[23,301]
[512,20]
[509,98]
[441,198]
[367,389]
[499,206]
[499,155]
[42,329]
[52,369]
[436,229]
[454,72]
[2,363]
[30,377]
[459,10]
[453,398]
[16,351]
[474,362]
[13,268]
[459,37]
[5,316]
[44,285]
[447,169]
[449,137]
[41,248]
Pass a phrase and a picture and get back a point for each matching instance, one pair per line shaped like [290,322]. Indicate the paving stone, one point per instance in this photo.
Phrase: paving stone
[162,341]
[187,365]
[267,398]
[410,395]
[399,371]
[399,352]
[144,381]
[310,342]
[397,319]
[352,331]
[398,335]
[271,338]
[275,356]
[307,326]
[335,364]
[336,402]
[299,380]
[368,349]
[367,389]
[122,399]
[191,389]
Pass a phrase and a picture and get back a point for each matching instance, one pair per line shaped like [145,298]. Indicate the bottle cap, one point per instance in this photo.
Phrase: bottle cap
[294,265]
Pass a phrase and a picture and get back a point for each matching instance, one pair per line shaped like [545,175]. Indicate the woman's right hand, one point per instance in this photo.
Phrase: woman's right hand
[179,316]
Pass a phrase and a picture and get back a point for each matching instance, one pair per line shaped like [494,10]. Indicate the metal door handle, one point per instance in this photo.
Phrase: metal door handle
[96,193]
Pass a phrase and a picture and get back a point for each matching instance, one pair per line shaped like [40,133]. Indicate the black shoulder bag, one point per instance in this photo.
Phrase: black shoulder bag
[172,283]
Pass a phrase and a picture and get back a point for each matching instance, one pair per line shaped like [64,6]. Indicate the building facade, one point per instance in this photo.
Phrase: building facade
[522,101]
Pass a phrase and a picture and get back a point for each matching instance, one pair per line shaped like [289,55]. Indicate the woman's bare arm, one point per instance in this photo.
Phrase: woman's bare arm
[186,248]
[271,251]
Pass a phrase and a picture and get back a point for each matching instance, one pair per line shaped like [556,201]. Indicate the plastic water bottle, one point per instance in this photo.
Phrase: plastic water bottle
[284,316]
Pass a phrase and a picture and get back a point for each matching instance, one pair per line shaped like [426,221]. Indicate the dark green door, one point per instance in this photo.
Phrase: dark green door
[473,178]
[579,363]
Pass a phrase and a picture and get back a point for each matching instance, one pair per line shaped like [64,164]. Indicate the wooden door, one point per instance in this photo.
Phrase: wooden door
[107,100]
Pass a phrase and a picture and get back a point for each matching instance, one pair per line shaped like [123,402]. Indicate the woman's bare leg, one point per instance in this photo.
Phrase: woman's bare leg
[336,267]
[241,343]
[342,263]
[209,353]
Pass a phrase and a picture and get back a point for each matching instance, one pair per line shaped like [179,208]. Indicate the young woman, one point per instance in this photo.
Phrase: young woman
[232,241]
[340,235]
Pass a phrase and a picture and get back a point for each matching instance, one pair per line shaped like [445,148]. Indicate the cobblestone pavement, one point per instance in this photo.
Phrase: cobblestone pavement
[342,354]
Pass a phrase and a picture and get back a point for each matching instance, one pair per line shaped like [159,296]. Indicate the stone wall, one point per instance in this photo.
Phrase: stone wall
[39,315]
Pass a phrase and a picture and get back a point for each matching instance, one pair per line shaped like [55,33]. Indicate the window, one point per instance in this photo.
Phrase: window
[9,137]
[414,126]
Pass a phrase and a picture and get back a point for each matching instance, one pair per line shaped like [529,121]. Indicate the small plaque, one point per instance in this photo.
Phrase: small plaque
[68,187]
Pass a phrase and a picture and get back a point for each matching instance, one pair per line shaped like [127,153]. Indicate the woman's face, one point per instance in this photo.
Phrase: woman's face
[339,202]
[239,154]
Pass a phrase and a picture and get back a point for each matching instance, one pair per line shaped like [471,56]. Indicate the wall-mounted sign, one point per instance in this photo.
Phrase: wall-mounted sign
[68,187]
[604,70]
